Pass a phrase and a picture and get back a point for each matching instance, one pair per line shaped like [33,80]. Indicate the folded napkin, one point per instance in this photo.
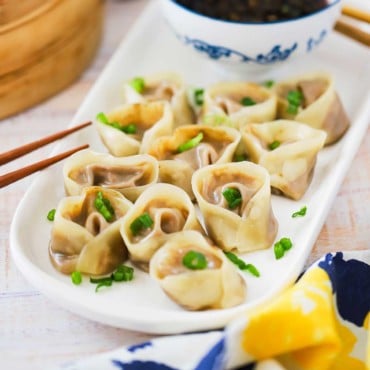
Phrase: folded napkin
[320,323]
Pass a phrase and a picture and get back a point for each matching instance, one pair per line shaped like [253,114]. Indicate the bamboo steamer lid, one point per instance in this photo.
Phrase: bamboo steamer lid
[45,50]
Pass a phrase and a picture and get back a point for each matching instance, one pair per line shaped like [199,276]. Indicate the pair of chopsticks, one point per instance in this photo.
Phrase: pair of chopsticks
[352,31]
[16,175]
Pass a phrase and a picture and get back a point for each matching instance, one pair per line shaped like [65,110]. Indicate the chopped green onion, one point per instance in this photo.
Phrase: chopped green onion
[280,247]
[242,265]
[295,99]
[247,101]
[269,83]
[141,223]
[76,277]
[123,273]
[240,157]
[190,144]
[300,213]
[131,128]
[138,84]
[275,144]
[51,214]
[194,260]
[104,207]
[199,96]
[100,280]
[233,197]
[103,283]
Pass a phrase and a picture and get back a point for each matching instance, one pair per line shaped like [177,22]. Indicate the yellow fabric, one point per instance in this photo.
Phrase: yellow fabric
[302,329]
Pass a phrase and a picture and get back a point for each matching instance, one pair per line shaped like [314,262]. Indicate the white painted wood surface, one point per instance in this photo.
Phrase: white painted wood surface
[37,334]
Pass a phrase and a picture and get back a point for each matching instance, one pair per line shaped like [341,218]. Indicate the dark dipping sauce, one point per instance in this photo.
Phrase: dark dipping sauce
[254,11]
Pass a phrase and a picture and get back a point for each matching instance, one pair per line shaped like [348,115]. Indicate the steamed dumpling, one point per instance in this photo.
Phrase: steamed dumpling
[177,162]
[292,161]
[314,102]
[239,103]
[83,239]
[159,212]
[128,175]
[165,86]
[235,201]
[150,120]
[215,284]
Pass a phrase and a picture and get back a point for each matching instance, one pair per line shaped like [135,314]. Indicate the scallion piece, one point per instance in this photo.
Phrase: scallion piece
[101,117]
[295,99]
[199,96]
[103,283]
[141,223]
[269,83]
[130,129]
[240,157]
[190,144]
[300,213]
[275,144]
[138,84]
[233,197]
[247,101]
[242,265]
[282,246]
[51,214]
[76,277]
[104,207]
[195,260]
[123,273]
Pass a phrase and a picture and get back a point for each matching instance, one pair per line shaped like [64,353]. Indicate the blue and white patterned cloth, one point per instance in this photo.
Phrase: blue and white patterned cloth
[321,323]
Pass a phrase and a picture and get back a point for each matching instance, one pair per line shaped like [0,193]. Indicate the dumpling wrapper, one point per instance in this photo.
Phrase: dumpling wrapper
[82,240]
[322,107]
[250,226]
[219,285]
[128,175]
[218,146]
[171,210]
[291,164]
[223,100]
[153,120]
[163,86]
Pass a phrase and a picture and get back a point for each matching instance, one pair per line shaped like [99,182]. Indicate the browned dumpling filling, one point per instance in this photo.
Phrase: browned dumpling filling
[163,90]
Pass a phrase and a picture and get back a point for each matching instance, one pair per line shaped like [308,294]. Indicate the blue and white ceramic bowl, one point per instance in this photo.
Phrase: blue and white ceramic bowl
[254,46]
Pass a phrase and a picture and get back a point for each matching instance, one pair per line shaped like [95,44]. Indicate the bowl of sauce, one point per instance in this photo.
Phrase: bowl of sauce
[251,34]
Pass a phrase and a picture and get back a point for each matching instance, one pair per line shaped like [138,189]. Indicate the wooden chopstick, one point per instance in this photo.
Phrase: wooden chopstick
[350,30]
[27,148]
[16,175]
[355,13]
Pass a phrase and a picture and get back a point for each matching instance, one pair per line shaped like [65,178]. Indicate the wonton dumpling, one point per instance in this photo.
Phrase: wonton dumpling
[165,86]
[219,285]
[248,226]
[128,175]
[170,210]
[225,99]
[152,120]
[320,108]
[217,146]
[292,162]
[81,238]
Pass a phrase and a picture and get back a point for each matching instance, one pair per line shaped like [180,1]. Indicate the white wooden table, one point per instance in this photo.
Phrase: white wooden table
[37,334]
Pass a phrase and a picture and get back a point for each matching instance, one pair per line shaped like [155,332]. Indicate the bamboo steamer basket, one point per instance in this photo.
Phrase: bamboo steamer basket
[45,50]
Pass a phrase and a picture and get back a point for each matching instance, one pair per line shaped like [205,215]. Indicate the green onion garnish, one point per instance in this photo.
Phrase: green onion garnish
[199,96]
[138,84]
[194,260]
[240,157]
[141,223]
[275,144]
[242,265]
[295,99]
[131,128]
[51,214]
[123,273]
[76,277]
[300,213]
[104,207]
[269,83]
[280,247]
[190,144]
[103,283]
[247,101]
[233,197]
